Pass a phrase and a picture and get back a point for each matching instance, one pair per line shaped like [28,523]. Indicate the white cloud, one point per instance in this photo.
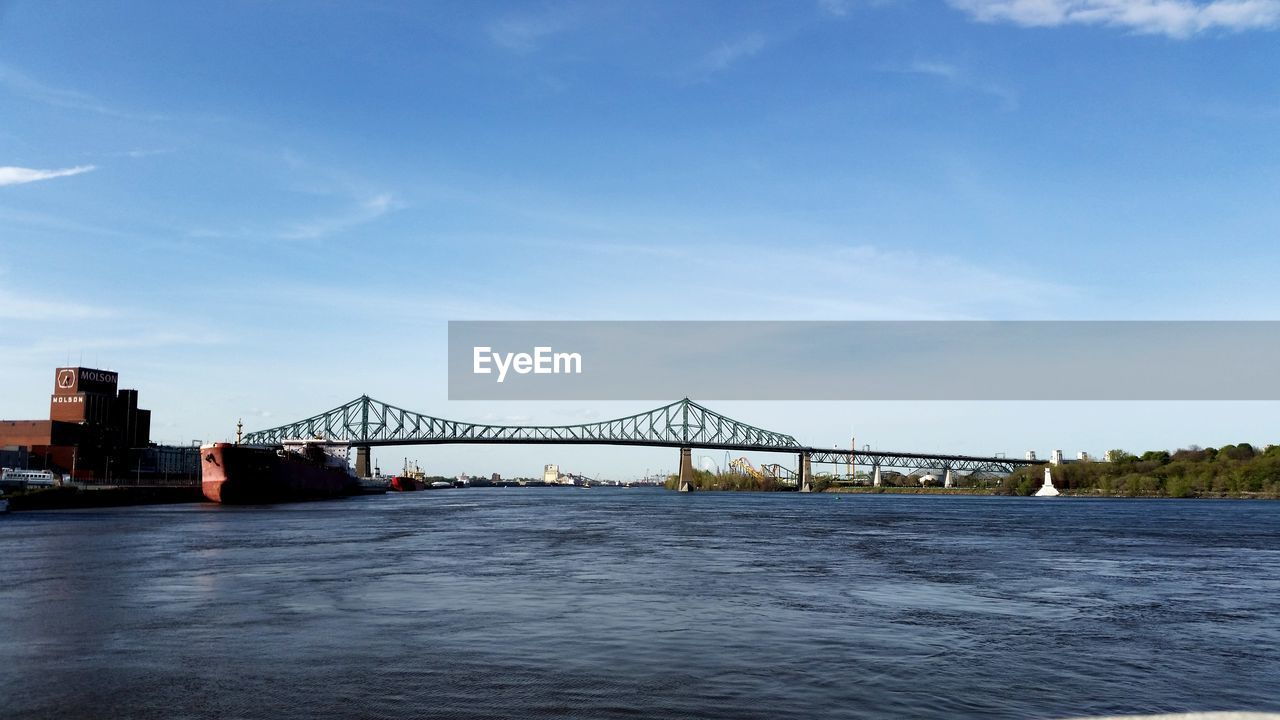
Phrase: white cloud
[126,345]
[22,84]
[522,33]
[726,54]
[905,285]
[10,175]
[16,306]
[1174,18]
[367,210]
[839,8]
[843,281]
[330,201]
[961,79]
[936,69]
[55,222]
[141,153]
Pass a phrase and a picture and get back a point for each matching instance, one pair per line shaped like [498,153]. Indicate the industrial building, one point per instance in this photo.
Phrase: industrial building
[95,432]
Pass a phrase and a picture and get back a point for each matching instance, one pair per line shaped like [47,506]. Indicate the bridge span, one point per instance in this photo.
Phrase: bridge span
[684,424]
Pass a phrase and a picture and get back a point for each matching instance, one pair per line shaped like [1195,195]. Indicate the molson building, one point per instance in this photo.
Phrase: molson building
[92,426]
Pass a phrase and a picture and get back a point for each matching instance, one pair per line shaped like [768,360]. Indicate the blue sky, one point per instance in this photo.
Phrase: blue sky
[262,210]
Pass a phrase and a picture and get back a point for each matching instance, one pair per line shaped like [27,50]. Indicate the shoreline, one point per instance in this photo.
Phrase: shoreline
[80,499]
[992,492]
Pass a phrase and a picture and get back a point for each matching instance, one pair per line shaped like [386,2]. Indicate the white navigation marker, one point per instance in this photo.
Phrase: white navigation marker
[1047,490]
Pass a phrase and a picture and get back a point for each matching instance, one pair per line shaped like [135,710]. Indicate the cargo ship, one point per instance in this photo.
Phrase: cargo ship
[293,471]
[403,483]
[410,479]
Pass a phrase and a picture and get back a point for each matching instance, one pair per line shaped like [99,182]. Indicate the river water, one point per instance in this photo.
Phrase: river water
[609,603]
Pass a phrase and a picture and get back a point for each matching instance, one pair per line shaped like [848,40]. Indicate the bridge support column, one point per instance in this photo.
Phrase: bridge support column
[875,477]
[685,484]
[947,480]
[362,461]
[806,473]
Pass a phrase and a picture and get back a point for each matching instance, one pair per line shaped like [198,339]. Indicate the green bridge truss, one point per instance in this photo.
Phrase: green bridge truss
[365,421]
[684,424]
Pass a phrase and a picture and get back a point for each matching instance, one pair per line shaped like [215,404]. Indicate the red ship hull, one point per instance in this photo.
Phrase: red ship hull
[401,483]
[246,475]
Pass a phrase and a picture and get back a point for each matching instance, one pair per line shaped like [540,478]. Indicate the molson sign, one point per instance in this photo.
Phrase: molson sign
[72,380]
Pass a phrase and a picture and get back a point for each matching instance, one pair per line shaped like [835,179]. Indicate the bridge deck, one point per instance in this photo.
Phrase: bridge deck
[681,424]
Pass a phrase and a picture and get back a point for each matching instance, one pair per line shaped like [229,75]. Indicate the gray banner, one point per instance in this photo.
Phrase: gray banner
[865,360]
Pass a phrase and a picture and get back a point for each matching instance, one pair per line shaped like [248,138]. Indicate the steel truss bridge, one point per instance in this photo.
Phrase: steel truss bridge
[921,461]
[365,422]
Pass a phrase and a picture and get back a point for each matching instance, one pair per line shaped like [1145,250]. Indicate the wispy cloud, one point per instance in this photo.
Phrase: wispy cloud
[58,222]
[936,69]
[828,293]
[449,300]
[122,339]
[140,152]
[24,306]
[727,54]
[22,84]
[367,210]
[960,78]
[526,31]
[10,175]
[617,249]
[1173,18]
[839,8]
[310,201]
[741,280]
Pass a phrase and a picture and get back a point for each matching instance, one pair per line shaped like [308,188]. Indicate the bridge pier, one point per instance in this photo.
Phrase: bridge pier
[686,470]
[362,461]
[806,473]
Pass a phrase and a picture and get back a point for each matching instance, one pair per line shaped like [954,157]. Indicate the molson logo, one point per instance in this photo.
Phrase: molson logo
[97,376]
[66,378]
[67,399]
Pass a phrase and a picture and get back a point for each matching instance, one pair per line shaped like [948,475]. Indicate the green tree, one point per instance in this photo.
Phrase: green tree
[1120,456]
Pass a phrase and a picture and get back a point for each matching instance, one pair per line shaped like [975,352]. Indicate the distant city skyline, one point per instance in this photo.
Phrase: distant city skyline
[263,211]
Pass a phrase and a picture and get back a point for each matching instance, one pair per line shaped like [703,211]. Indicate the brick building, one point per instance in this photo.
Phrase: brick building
[92,426]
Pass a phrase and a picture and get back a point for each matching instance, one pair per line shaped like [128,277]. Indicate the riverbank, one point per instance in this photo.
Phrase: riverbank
[67,498]
[912,491]
[1226,472]
[1096,493]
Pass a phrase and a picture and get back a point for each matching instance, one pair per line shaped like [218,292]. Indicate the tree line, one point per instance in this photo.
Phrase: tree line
[1229,471]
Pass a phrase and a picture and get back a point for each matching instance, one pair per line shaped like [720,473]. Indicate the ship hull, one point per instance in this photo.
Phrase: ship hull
[245,475]
[401,483]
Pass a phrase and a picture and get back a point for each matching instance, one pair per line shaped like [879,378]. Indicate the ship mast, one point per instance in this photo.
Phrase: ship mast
[239,429]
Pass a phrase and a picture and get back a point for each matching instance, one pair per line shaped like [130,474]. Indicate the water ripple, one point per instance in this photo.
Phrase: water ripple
[559,603]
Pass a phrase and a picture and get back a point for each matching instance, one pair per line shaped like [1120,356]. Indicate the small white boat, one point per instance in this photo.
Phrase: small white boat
[28,478]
